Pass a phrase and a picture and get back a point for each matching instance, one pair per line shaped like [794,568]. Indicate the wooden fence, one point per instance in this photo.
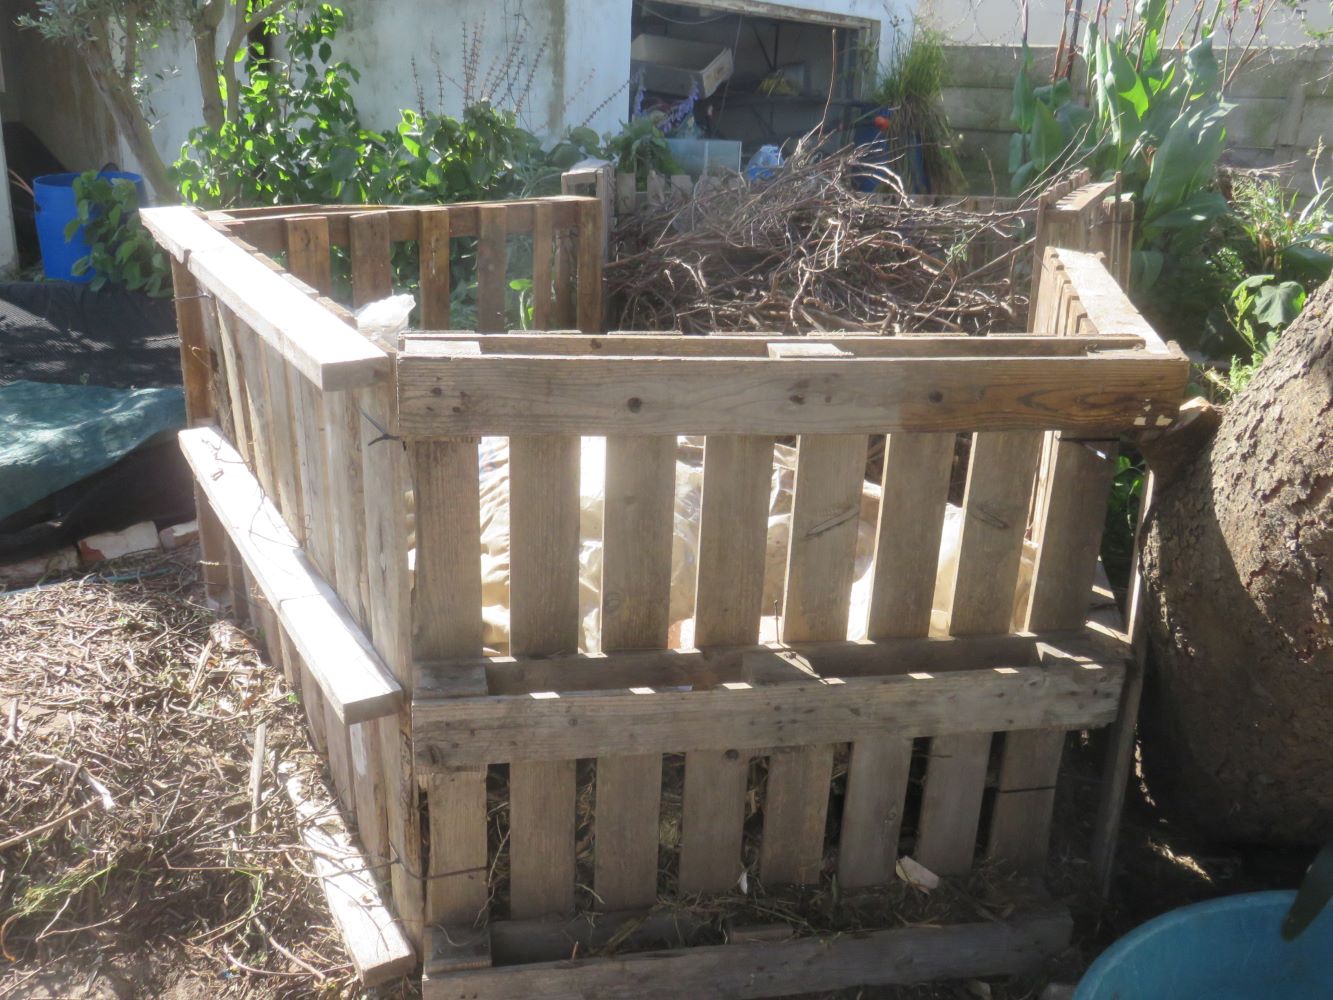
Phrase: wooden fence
[321,457]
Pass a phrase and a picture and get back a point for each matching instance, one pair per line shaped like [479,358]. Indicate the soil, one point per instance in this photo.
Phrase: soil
[175,917]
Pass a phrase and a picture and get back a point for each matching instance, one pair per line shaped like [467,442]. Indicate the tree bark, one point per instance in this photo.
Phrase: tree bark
[205,32]
[1237,725]
[118,95]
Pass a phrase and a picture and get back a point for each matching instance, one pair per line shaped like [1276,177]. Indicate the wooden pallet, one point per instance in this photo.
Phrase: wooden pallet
[323,454]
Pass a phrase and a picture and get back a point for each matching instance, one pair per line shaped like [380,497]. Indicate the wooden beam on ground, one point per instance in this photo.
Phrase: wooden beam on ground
[327,351]
[474,732]
[370,932]
[342,661]
[765,969]
[470,394]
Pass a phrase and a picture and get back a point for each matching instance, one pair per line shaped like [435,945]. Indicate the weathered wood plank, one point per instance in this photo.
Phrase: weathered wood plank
[543,256]
[327,351]
[464,732]
[544,619]
[514,394]
[373,939]
[492,261]
[995,511]
[196,360]
[456,891]
[636,599]
[346,667]
[591,251]
[713,820]
[436,292]
[372,268]
[765,969]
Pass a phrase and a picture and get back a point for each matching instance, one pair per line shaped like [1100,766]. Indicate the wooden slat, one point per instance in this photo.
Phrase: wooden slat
[212,550]
[283,445]
[385,464]
[456,892]
[507,675]
[591,251]
[372,269]
[1073,511]
[733,536]
[826,508]
[815,964]
[196,364]
[543,255]
[346,503]
[436,291]
[463,732]
[873,810]
[446,616]
[758,344]
[327,351]
[346,667]
[995,509]
[376,945]
[339,759]
[565,316]
[308,252]
[368,792]
[713,820]
[907,552]
[907,546]
[492,262]
[635,614]
[491,394]
[544,619]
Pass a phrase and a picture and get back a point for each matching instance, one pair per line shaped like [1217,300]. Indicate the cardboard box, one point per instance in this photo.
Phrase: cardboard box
[674,65]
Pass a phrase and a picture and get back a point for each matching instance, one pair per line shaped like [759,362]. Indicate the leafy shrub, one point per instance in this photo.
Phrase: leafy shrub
[122,251]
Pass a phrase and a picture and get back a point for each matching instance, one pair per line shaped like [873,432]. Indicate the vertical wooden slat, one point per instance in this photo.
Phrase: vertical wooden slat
[435,277]
[346,504]
[308,251]
[492,262]
[564,318]
[385,464]
[212,549]
[826,507]
[544,620]
[636,604]
[258,418]
[543,251]
[196,362]
[592,250]
[235,376]
[446,620]
[733,535]
[372,267]
[907,552]
[283,442]
[995,509]
[1069,535]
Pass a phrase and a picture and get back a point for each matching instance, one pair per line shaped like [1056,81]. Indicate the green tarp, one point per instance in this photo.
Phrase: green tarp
[51,436]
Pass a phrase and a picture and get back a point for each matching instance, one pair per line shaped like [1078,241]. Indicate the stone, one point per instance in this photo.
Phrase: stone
[141,537]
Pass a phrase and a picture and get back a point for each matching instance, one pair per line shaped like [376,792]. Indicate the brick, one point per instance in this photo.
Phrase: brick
[141,537]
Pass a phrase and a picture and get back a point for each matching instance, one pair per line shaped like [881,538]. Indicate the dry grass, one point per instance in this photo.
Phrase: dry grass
[128,866]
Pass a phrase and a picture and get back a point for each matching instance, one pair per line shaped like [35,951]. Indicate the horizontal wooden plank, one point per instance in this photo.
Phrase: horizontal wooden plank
[373,937]
[351,675]
[814,964]
[758,345]
[264,229]
[474,732]
[491,394]
[326,350]
[664,668]
[1107,305]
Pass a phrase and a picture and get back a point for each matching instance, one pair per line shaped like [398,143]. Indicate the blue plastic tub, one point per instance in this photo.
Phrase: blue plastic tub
[53,195]
[1224,949]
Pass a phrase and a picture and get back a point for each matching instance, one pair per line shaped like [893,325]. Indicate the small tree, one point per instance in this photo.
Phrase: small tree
[112,35]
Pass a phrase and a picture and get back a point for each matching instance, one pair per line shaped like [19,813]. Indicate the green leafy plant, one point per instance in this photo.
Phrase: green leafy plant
[122,251]
[911,86]
[640,148]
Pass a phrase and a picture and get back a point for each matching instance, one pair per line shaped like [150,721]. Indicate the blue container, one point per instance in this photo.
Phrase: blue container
[1224,949]
[53,195]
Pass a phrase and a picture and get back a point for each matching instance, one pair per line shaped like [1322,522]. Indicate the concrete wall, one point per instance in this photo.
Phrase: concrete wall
[1284,107]
[1000,22]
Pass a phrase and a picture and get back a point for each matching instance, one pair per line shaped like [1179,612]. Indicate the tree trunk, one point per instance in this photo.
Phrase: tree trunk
[205,35]
[119,98]
[1238,566]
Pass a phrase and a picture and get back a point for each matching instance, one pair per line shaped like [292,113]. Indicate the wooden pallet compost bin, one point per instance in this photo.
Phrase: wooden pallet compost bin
[515,808]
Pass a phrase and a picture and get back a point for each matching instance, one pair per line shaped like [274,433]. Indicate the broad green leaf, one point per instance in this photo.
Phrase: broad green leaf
[1048,139]
[1277,305]
[1201,67]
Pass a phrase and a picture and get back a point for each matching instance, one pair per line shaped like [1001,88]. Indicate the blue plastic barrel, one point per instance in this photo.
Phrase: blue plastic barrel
[53,195]
[1224,949]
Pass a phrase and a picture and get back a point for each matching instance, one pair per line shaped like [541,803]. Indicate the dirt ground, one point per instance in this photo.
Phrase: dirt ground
[131,865]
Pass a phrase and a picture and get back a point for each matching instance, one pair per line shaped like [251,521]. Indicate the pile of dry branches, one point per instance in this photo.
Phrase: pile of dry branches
[807,252]
[131,853]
